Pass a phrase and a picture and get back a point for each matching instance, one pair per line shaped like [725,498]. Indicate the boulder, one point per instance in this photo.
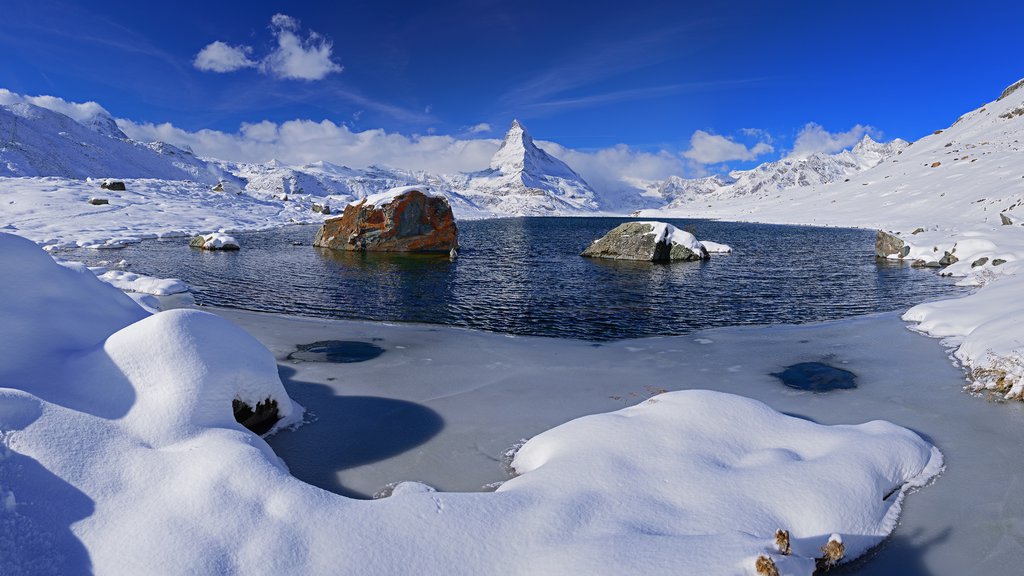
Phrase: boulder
[887,244]
[113,185]
[1006,221]
[98,201]
[399,220]
[647,241]
[321,208]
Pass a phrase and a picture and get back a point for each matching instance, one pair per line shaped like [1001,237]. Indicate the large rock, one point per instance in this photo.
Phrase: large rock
[400,220]
[887,244]
[647,241]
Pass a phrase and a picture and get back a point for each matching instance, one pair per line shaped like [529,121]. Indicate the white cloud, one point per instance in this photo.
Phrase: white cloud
[814,138]
[294,58]
[707,148]
[303,141]
[611,169]
[480,128]
[220,57]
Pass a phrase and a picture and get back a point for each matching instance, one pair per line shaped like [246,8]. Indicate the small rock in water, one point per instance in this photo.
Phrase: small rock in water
[336,351]
[816,377]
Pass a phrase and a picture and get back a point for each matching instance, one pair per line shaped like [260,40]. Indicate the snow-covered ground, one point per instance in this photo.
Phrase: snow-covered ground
[121,453]
[460,398]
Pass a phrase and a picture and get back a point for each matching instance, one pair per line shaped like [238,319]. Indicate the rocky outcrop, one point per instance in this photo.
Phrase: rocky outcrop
[259,419]
[647,241]
[887,244]
[116,185]
[400,220]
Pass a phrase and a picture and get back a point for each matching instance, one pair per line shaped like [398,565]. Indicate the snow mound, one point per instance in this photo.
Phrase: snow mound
[735,470]
[120,428]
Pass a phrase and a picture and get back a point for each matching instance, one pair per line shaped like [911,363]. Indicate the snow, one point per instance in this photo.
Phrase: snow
[715,247]
[442,406]
[124,419]
[387,196]
[666,232]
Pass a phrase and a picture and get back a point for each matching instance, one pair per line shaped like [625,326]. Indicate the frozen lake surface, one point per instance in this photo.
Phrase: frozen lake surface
[442,406]
[525,276]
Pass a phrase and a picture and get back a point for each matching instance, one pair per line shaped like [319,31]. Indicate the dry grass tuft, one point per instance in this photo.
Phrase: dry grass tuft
[766,566]
[831,553]
[782,541]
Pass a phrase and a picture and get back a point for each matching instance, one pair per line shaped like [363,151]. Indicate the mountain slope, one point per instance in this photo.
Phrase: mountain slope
[772,177]
[953,179]
[35,141]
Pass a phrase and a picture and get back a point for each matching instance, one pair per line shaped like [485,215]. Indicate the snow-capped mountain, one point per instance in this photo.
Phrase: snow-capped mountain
[771,177]
[522,180]
[36,141]
[525,180]
[969,172]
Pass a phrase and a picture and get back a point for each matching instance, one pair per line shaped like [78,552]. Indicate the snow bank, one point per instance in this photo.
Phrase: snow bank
[122,423]
[986,329]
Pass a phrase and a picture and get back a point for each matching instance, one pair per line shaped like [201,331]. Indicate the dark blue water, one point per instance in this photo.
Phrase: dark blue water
[525,276]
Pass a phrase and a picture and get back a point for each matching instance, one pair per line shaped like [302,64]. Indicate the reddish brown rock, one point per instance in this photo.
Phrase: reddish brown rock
[409,221]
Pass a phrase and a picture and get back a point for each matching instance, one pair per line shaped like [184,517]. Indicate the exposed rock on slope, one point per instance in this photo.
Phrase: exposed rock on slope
[400,220]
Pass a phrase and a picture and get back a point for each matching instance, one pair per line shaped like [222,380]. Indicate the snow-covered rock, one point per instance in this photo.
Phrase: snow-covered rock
[214,241]
[647,241]
[404,219]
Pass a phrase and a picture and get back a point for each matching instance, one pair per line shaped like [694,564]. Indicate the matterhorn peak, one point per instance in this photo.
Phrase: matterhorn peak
[511,156]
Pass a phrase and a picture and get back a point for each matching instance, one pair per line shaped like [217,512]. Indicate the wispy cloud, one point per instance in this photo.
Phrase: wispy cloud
[296,57]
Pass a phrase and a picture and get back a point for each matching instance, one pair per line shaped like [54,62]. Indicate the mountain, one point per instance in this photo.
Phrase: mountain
[525,180]
[36,141]
[771,177]
[966,175]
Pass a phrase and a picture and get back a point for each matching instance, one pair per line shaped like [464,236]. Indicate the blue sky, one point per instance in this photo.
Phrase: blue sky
[654,76]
